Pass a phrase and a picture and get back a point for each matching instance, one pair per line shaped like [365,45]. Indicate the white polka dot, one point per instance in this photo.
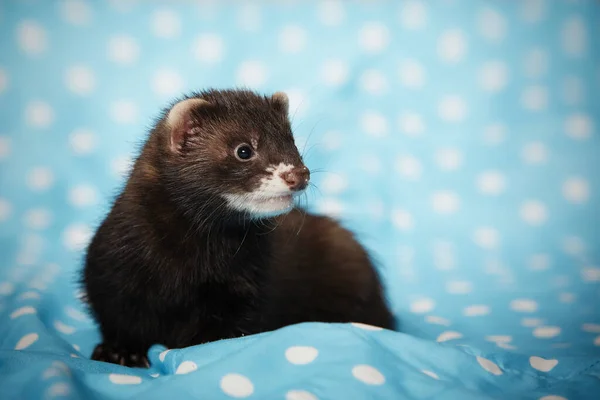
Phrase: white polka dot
[411,124]
[523,305]
[489,366]
[368,374]
[249,17]
[491,25]
[539,262]
[459,287]
[576,190]
[432,319]
[476,310]
[83,195]
[26,341]
[493,76]
[31,37]
[236,385]
[534,153]
[6,288]
[121,166]
[167,83]
[533,11]
[76,237]
[494,134]
[542,364]
[123,50]
[371,163]
[334,72]
[546,332]
[82,141]
[63,328]
[452,46]
[122,379]
[186,367]
[499,338]
[452,109]
[366,327]
[209,48]
[579,126]
[76,314]
[40,178]
[22,311]
[333,183]
[412,74]
[298,102]
[402,219]
[251,73]
[573,90]
[506,346]
[29,295]
[430,374]
[162,355]
[590,274]
[409,167]
[534,98]
[374,124]
[300,355]
[491,183]
[39,114]
[448,335]
[533,212]
[332,140]
[37,218]
[374,82]
[422,306]
[331,207]
[531,322]
[449,159]
[300,395]
[292,39]
[413,15]
[573,245]
[331,12]
[552,397]
[445,202]
[573,37]
[535,63]
[76,12]
[3,80]
[373,37]
[58,389]
[5,209]
[166,24]
[593,328]
[124,111]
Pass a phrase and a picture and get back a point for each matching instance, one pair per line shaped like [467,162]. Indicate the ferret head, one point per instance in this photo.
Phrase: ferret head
[234,149]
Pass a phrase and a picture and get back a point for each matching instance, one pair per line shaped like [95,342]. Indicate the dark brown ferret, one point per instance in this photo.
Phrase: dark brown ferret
[204,242]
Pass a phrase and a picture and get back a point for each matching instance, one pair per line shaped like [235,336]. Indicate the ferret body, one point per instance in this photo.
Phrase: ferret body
[205,243]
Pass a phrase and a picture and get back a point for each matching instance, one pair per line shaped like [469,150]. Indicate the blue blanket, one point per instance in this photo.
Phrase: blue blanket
[459,140]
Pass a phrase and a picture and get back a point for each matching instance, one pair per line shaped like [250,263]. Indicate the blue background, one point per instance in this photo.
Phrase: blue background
[458,139]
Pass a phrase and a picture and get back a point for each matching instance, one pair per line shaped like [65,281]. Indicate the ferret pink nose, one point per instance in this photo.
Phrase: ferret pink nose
[297,179]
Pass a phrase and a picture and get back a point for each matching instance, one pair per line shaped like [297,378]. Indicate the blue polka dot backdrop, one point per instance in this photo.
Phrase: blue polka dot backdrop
[458,139]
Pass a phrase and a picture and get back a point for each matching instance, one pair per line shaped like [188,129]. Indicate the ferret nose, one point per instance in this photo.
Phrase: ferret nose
[297,179]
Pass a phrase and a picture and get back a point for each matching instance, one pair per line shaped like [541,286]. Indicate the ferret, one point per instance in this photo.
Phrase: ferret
[205,241]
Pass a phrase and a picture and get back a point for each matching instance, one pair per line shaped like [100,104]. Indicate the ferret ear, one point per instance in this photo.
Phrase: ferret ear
[280,101]
[181,123]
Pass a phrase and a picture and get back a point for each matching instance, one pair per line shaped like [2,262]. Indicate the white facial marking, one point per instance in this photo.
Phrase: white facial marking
[271,198]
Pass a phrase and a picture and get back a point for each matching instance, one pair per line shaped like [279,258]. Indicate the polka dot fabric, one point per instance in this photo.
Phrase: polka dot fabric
[459,140]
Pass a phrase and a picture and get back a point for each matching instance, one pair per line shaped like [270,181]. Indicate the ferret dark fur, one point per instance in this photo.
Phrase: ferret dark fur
[176,262]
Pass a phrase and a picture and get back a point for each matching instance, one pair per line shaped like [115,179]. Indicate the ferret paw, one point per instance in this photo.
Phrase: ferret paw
[107,353]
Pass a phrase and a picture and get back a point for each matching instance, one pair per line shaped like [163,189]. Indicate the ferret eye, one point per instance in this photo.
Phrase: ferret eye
[244,152]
